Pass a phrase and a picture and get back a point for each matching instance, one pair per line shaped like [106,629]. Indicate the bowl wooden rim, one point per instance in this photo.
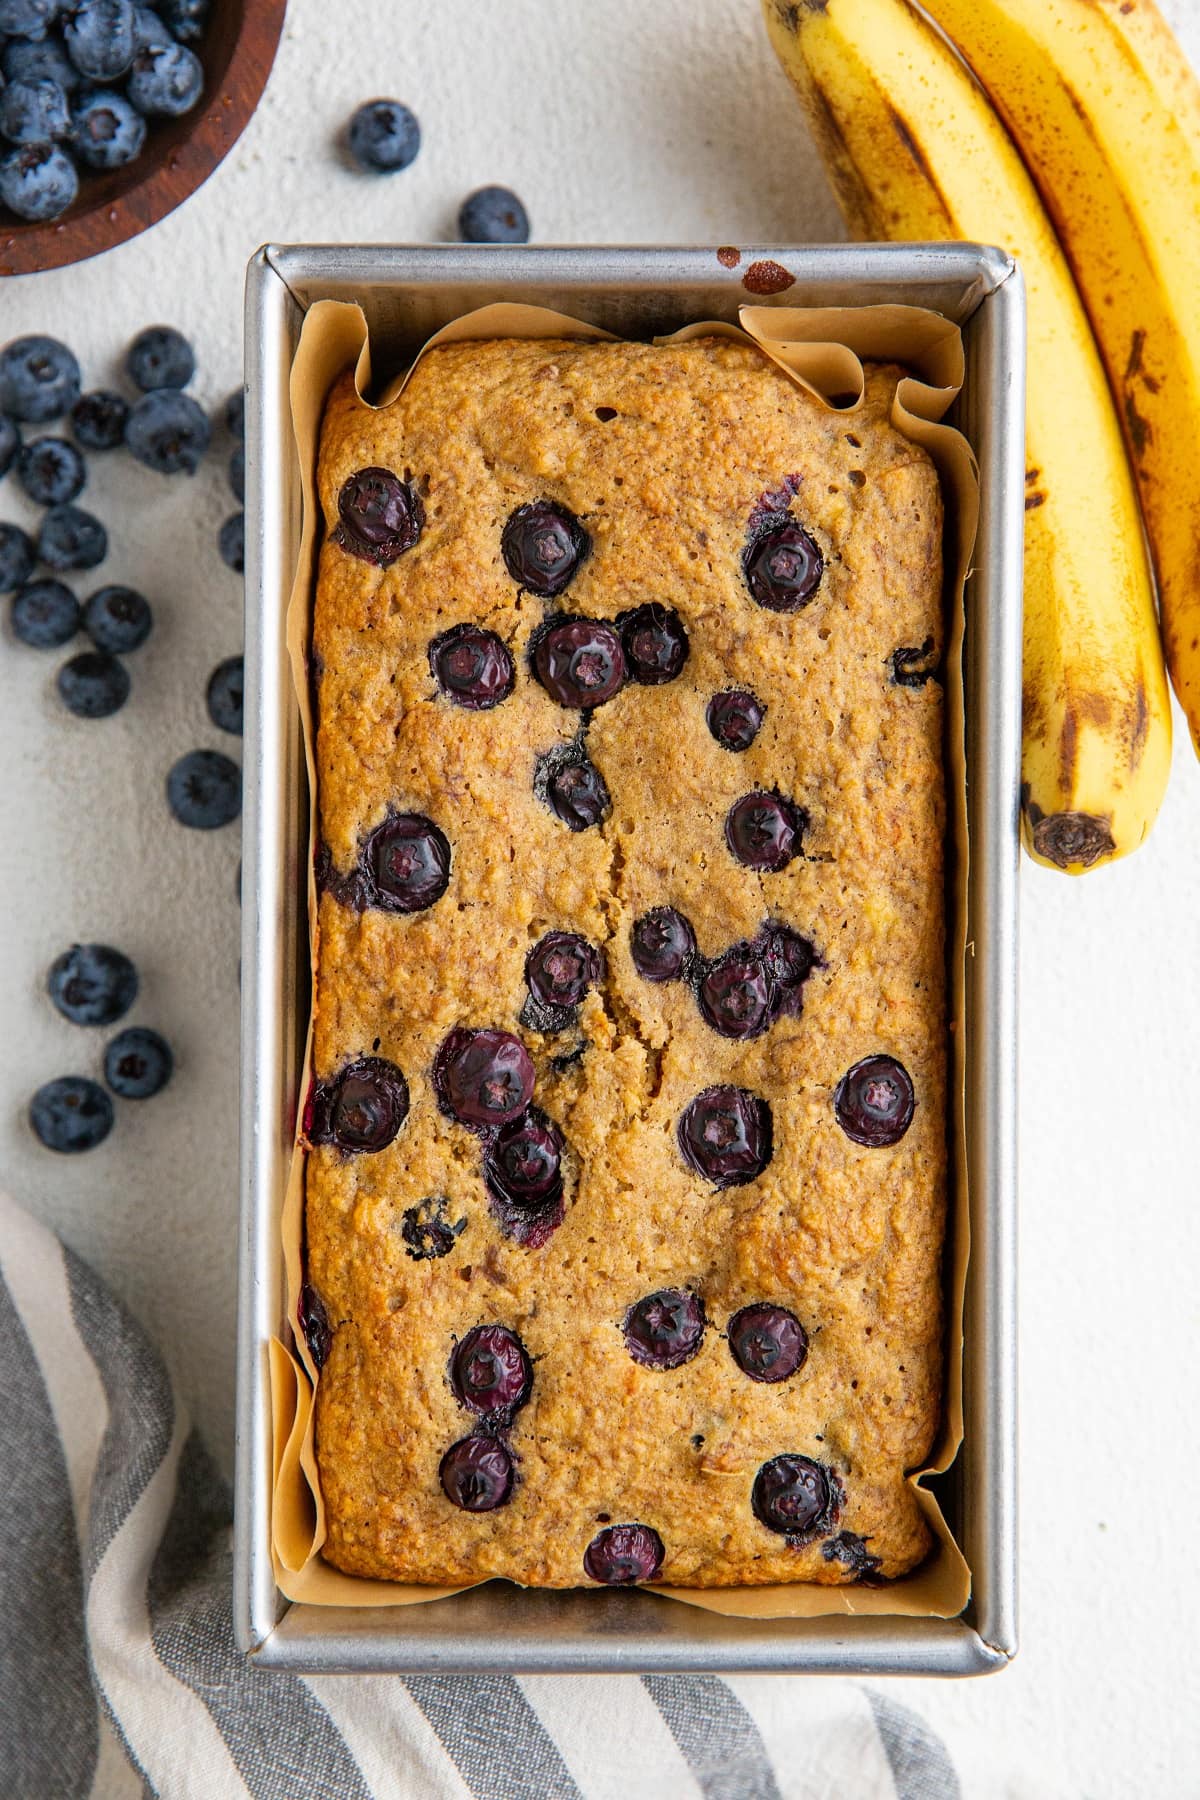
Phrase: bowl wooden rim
[180,154]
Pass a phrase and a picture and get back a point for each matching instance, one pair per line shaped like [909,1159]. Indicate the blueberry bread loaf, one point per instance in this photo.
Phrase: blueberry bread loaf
[627,1139]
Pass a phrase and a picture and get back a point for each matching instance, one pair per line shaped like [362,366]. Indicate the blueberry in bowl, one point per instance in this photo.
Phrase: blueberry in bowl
[156,99]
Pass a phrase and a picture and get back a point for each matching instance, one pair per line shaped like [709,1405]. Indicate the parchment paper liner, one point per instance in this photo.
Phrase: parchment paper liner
[820,349]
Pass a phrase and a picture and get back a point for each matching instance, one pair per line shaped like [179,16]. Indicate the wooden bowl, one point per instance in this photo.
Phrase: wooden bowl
[237,53]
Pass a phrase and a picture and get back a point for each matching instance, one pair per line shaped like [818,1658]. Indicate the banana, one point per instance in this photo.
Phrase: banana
[915,152]
[1106,112]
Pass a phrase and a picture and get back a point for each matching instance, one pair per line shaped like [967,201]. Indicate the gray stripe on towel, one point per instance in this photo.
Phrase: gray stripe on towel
[141,1410]
[720,1741]
[921,1767]
[497,1742]
[48,1719]
[280,1736]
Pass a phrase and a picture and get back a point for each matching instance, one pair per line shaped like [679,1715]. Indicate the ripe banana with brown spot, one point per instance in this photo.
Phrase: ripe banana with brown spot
[916,153]
[1105,109]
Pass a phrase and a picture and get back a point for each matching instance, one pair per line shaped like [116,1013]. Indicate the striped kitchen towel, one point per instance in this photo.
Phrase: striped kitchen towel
[119,1676]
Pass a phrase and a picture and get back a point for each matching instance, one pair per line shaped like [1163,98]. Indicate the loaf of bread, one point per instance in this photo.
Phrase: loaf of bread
[627,1137]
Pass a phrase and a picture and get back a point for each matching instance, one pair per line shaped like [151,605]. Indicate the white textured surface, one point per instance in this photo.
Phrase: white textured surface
[622,122]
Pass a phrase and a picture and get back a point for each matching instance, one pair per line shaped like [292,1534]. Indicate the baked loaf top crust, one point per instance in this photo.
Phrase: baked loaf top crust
[618,1276]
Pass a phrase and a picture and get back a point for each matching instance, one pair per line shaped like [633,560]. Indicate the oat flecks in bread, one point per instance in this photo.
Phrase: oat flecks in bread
[667,456]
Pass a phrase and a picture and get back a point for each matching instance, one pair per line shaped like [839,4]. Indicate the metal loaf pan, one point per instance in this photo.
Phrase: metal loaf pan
[407,293]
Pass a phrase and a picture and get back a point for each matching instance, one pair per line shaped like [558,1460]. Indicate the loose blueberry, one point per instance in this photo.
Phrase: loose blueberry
[138,1063]
[70,538]
[380,516]
[17,558]
[768,1343]
[575,790]
[796,1496]
[237,473]
[580,662]
[734,718]
[561,968]
[472,667]
[93,685]
[160,357]
[92,984]
[71,1114]
[148,29]
[117,619]
[725,1134]
[168,432]
[45,614]
[407,863]
[543,545]
[186,19]
[204,790]
[483,1078]
[108,131]
[362,1109]
[51,471]
[490,1372]
[234,413]
[426,1230]
[231,542]
[224,695]
[764,831]
[665,1329]
[10,443]
[39,379]
[27,18]
[655,643]
[735,994]
[39,59]
[621,1555]
[34,112]
[660,943]
[38,182]
[383,135]
[313,1320]
[477,1474]
[166,81]
[98,35]
[524,1165]
[493,215]
[98,420]
[874,1102]
[783,566]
